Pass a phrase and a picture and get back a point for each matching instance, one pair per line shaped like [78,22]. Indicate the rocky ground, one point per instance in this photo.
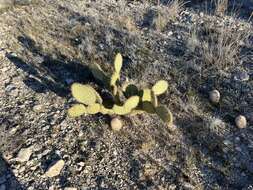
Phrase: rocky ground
[47,45]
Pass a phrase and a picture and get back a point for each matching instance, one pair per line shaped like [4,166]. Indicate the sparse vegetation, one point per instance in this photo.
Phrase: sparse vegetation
[221,7]
[195,48]
[135,101]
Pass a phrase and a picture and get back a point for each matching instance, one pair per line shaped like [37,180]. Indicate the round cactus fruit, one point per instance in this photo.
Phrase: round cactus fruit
[160,87]
[83,93]
[77,110]
[214,96]
[241,121]
[116,124]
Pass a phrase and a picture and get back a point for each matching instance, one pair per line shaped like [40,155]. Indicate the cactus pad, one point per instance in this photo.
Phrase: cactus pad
[132,102]
[131,90]
[146,95]
[114,78]
[99,74]
[83,93]
[93,109]
[165,114]
[77,110]
[148,107]
[160,87]
[105,110]
[120,110]
[154,99]
[118,63]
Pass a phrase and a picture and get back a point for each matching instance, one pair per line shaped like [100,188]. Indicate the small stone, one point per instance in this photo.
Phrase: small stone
[9,88]
[52,188]
[55,169]
[38,108]
[24,154]
[214,96]
[201,14]
[116,124]
[170,33]
[241,121]
[70,188]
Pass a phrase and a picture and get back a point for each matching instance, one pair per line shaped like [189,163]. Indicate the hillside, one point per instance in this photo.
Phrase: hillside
[197,46]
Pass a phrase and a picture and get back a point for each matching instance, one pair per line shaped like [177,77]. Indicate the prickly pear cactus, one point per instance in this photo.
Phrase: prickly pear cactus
[134,100]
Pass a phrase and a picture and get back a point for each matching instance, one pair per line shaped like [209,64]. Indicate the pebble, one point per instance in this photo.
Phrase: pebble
[241,121]
[55,169]
[38,108]
[214,96]
[9,88]
[70,188]
[24,154]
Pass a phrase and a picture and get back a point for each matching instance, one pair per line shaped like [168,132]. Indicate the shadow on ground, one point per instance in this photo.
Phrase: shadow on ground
[45,73]
[8,180]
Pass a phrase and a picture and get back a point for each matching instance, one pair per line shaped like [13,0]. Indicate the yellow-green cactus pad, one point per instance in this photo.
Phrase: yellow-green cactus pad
[93,109]
[105,110]
[118,63]
[98,73]
[148,107]
[114,90]
[165,114]
[154,99]
[114,78]
[130,90]
[146,96]
[120,110]
[136,112]
[77,110]
[160,87]
[83,93]
[132,102]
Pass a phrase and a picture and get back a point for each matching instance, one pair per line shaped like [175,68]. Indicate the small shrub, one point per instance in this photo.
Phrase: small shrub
[125,99]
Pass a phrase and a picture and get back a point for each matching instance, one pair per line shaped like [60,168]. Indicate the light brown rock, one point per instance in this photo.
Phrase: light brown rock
[241,121]
[55,169]
[214,96]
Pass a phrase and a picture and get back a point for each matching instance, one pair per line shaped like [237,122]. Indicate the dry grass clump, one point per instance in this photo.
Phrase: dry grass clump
[218,47]
[221,7]
[167,14]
